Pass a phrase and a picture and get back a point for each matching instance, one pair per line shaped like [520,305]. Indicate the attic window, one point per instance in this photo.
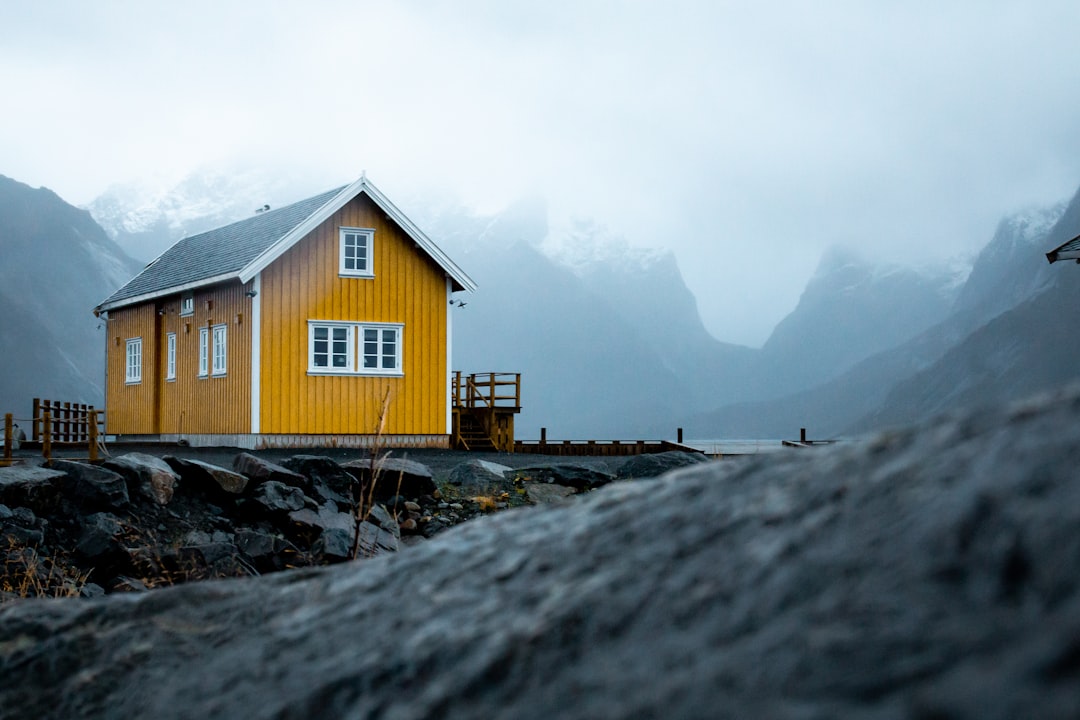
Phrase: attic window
[187,304]
[356,252]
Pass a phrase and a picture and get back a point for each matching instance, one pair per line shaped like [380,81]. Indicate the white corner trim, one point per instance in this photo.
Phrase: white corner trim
[449,357]
[256,352]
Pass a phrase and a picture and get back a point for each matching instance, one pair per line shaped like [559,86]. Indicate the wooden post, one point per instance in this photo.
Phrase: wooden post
[8,422]
[802,435]
[36,419]
[46,434]
[543,436]
[678,434]
[91,426]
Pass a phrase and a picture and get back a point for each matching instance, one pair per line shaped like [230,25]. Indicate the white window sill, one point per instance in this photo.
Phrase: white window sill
[361,276]
[352,373]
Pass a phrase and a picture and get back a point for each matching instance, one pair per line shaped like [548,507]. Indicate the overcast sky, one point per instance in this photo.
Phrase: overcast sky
[747,137]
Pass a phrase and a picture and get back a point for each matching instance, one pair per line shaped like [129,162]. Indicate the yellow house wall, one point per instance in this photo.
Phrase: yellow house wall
[130,408]
[303,284]
[210,404]
[189,403]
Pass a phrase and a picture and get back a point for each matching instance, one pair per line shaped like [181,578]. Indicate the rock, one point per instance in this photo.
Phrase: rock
[21,526]
[925,573]
[545,494]
[92,487]
[396,476]
[578,477]
[326,517]
[256,544]
[38,488]
[656,464]
[260,471]
[334,545]
[380,517]
[321,470]
[99,537]
[272,498]
[481,476]
[146,475]
[207,477]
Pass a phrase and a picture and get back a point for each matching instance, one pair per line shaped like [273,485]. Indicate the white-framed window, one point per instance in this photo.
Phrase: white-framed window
[133,365]
[170,356]
[204,351]
[331,348]
[379,348]
[218,366]
[187,304]
[356,253]
[345,348]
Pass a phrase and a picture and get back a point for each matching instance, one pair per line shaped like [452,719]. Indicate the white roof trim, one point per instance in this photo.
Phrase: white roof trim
[135,299]
[363,185]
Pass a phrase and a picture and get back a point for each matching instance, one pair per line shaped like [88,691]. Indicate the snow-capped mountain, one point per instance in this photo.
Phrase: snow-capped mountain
[146,217]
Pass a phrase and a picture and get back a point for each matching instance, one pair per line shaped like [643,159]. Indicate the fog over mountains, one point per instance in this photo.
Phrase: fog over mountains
[606,335]
[55,265]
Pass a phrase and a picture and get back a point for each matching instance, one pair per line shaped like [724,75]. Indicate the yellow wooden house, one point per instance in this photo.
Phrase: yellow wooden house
[289,329]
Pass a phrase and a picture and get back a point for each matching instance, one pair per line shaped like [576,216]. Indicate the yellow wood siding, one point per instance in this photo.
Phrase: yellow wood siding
[303,284]
[210,404]
[188,404]
[130,408]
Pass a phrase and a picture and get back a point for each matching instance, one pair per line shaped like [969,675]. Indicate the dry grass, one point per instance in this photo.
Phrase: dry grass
[29,575]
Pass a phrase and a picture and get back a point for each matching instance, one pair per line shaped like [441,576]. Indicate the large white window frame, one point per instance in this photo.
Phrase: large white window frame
[204,352]
[220,336]
[354,348]
[133,361]
[356,253]
[170,356]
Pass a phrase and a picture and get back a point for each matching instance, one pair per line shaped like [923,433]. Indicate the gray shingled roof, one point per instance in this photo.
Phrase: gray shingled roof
[1065,252]
[218,252]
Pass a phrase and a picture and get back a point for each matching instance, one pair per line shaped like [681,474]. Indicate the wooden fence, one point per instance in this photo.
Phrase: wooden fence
[56,423]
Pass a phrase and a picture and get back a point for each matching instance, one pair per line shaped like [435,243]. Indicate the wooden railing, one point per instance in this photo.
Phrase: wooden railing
[484,409]
[487,390]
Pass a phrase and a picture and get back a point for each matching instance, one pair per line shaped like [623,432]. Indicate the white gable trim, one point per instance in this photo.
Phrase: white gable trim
[363,185]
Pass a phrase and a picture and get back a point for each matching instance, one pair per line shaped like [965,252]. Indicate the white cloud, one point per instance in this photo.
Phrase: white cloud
[745,137]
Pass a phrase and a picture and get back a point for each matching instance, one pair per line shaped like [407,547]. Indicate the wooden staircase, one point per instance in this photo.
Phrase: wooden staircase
[484,409]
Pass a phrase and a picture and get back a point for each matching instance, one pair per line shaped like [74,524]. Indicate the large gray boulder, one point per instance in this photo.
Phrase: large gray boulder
[653,465]
[394,477]
[925,573]
[147,475]
[208,477]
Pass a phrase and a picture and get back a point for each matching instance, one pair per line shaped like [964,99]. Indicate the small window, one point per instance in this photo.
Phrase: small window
[170,356]
[204,352]
[187,304]
[354,348]
[356,252]
[219,350]
[133,374]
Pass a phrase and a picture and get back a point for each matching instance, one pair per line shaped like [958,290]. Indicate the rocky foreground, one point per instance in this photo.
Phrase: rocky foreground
[928,573]
[137,521]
